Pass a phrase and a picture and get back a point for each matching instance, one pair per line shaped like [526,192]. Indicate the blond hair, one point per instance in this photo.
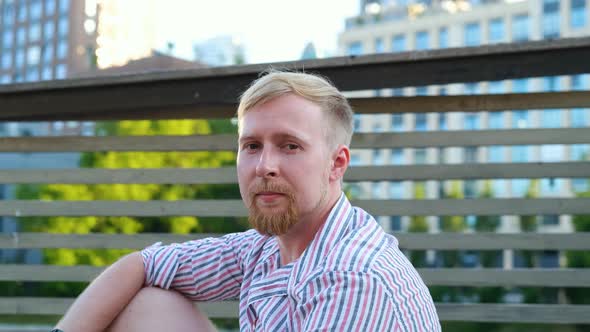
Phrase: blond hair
[312,87]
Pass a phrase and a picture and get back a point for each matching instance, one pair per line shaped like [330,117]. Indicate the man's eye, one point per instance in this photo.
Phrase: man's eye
[251,146]
[292,146]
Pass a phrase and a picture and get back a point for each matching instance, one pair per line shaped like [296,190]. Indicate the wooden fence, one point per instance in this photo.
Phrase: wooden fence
[211,93]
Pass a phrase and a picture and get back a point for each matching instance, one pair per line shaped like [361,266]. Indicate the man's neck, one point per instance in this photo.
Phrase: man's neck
[297,239]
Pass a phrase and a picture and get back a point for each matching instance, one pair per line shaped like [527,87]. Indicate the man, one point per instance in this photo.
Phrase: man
[312,262]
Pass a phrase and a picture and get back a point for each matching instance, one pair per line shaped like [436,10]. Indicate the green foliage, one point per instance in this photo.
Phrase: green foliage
[579,259]
[134,192]
[418,224]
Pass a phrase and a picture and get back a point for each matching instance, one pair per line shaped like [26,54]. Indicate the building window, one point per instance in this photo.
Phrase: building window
[496,120]
[578,13]
[520,119]
[422,40]
[21,36]
[62,49]
[472,34]
[397,156]
[21,10]
[357,122]
[47,53]
[46,73]
[421,91]
[580,185]
[551,118]
[419,156]
[520,28]
[8,14]
[520,85]
[7,39]
[35,9]
[421,122]
[377,190]
[496,87]
[495,154]
[49,30]
[471,88]
[33,55]
[520,153]
[379,45]
[61,71]
[50,7]
[64,6]
[579,117]
[551,186]
[471,121]
[470,189]
[35,32]
[397,122]
[442,121]
[396,190]
[377,157]
[6,60]
[552,152]
[62,28]
[32,74]
[520,187]
[550,21]
[398,43]
[19,59]
[470,154]
[496,30]
[355,48]
[443,37]
[579,82]
[395,223]
[580,152]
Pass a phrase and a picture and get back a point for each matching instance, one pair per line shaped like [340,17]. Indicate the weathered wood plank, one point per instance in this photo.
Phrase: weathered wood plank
[440,276]
[395,104]
[523,313]
[227,175]
[235,208]
[58,306]
[227,142]
[125,95]
[410,241]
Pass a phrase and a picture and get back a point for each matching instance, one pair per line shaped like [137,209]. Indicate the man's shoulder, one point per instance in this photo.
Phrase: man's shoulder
[363,244]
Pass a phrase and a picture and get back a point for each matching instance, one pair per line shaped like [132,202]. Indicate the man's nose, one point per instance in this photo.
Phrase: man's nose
[267,164]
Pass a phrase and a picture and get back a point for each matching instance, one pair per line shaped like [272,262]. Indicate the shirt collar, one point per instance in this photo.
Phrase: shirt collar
[330,233]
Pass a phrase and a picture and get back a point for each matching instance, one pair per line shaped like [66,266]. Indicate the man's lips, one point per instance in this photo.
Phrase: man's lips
[268,196]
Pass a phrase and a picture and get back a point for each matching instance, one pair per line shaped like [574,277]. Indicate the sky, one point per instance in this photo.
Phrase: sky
[270,30]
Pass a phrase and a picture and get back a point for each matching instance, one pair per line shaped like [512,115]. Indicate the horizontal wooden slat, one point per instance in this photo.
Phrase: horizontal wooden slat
[440,276]
[379,105]
[58,306]
[226,175]
[523,313]
[124,96]
[227,142]
[235,208]
[411,241]
[471,103]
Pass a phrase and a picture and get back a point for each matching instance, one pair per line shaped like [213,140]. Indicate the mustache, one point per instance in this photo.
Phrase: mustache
[267,186]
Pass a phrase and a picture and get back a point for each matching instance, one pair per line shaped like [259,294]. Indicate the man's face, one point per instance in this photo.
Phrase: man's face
[283,163]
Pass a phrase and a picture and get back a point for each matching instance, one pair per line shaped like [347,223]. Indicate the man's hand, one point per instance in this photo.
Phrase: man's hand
[106,296]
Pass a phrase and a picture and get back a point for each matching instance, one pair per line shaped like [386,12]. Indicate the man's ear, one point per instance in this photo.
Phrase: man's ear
[340,161]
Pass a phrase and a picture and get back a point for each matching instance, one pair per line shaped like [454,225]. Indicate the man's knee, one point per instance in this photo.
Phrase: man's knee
[153,309]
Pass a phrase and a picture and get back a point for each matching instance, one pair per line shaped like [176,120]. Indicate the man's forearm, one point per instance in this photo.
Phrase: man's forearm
[106,296]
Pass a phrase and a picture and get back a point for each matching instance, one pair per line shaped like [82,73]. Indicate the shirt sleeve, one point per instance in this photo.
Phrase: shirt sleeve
[203,270]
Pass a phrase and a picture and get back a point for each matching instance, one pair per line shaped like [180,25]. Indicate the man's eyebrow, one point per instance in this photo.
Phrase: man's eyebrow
[280,136]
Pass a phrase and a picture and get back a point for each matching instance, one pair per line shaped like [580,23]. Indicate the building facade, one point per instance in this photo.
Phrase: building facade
[398,26]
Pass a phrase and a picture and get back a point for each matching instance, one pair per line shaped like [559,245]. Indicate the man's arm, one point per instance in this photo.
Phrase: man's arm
[106,296]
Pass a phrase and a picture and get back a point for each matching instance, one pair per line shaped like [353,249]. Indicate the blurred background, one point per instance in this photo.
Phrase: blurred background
[43,40]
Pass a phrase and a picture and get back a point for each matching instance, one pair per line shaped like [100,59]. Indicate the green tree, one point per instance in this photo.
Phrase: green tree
[139,192]
[579,259]
[418,224]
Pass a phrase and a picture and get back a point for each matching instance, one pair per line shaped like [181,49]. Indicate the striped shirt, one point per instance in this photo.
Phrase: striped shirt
[351,277]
